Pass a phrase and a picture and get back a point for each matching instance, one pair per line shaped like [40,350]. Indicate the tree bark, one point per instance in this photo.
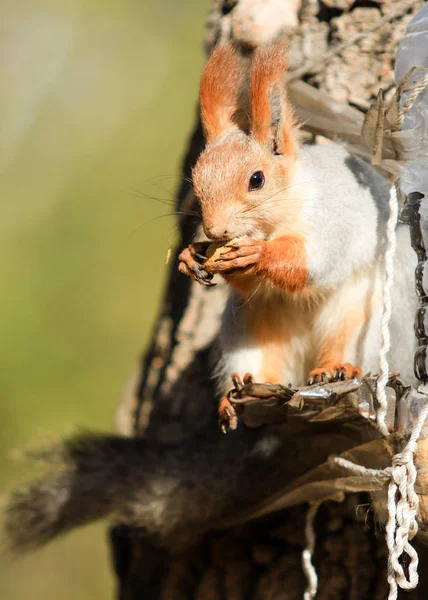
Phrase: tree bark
[171,400]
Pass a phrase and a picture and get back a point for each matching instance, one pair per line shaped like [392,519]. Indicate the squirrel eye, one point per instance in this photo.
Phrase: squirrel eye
[257,181]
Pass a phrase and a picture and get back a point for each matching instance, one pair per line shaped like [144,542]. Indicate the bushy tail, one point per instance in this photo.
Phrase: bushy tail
[143,483]
[88,478]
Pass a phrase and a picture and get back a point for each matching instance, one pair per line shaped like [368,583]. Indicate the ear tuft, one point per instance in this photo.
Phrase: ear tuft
[272,118]
[221,87]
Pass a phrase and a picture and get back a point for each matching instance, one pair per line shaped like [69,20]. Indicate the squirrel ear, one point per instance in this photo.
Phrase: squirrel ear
[272,118]
[221,87]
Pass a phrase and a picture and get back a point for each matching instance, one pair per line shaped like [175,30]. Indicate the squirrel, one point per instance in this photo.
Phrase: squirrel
[303,231]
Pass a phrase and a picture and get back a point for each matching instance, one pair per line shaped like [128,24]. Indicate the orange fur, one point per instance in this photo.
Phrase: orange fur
[333,349]
[222,172]
[221,86]
[269,333]
[271,326]
[220,182]
[283,263]
[219,205]
[272,365]
[331,354]
[245,285]
[271,123]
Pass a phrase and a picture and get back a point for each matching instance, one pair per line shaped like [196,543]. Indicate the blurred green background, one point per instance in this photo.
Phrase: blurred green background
[97,100]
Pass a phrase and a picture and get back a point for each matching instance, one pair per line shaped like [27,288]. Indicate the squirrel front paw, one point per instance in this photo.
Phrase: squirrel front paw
[191,263]
[242,256]
[337,372]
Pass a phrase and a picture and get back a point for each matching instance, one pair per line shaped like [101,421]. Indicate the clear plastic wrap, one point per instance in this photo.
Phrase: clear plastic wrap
[413,48]
[412,66]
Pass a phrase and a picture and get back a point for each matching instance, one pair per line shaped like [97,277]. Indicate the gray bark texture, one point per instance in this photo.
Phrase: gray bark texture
[211,548]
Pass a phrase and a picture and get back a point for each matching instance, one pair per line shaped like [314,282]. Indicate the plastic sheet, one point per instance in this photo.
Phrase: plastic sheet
[412,65]
[413,48]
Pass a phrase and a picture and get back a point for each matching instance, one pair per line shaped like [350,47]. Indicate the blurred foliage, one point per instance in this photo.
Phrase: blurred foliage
[98,98]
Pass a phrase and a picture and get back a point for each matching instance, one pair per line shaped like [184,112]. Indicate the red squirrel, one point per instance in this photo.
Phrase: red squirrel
[303,229]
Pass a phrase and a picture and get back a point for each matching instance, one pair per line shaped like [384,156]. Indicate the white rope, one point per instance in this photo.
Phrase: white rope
[308,567]
[403,503]
[386,315]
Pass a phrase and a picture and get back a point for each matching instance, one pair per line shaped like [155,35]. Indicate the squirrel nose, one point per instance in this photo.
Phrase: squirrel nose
[217,233]
[220,220]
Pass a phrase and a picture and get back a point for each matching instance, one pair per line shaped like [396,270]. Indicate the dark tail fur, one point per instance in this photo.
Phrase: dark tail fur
[89,477]
[164,489]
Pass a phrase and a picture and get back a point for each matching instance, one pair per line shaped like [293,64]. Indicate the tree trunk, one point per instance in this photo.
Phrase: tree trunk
[171,400]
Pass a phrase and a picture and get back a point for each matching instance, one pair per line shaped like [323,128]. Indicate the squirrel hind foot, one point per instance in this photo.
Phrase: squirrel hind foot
[335,372]
[228,420]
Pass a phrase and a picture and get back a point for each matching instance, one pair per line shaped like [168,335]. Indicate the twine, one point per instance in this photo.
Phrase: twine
[403,504]
[413,93]
[403,501]
[386,314]
[310,537]
[308,567]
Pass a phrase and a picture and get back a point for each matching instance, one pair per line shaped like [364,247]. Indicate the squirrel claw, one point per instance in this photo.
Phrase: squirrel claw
[228,413]
[248,378]
[205,281]
[346,371]
[228,419]
[338,372]
[318,376]
[191,263]
[238,384]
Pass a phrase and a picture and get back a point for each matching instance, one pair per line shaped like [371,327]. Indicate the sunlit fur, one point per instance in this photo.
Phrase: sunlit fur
[221,183]
[312,298]
[220,89]
[222,173]
[272,118]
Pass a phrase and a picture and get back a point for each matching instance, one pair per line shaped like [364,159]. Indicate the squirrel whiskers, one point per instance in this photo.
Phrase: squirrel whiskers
[299,230]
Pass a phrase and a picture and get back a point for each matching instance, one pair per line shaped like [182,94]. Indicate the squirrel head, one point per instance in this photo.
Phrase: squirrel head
[244,172]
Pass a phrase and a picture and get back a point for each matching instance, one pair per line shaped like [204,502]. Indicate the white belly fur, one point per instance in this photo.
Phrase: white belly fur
[305,329]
